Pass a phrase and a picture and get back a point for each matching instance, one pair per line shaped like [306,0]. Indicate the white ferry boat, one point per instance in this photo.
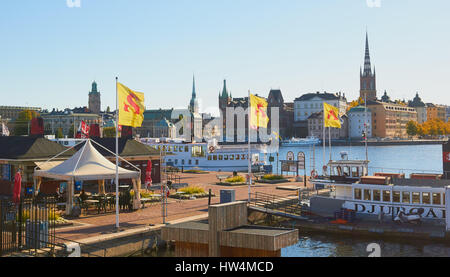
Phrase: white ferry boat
[202,155]
[351,188]
[311,140]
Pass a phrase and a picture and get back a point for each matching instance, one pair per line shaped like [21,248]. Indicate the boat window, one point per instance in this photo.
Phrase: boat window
[232,157]
[238,157]
[196,162]
[176,161]
[225,157]
[186,148]
[426,198]
[180,149]
[436,199]
[367,194]
[175,148]
[190,161]
[220,157]
[243,157]
[346,171]
[355,171]
[358,194]
[396,197]
[209,157]
[376,195]
[416,197]
[169,148]
[406,197]
[215,157]
[164,148]
[443,198]
[197,151]
[386,196]
[182,161]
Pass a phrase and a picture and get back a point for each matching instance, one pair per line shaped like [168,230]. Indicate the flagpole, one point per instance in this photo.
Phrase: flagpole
[329,139]
[117,158]
[249,153]
[324,138]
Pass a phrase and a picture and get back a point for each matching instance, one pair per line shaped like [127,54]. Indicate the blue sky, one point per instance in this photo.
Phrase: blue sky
[50,53]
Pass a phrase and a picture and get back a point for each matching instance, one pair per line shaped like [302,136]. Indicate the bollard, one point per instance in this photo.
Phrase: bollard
[209,198]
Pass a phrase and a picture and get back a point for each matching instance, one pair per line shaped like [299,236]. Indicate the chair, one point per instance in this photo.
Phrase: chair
[82,204]
[102,201]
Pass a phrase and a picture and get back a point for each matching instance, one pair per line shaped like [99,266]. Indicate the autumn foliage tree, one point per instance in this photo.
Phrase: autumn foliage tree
[432,128]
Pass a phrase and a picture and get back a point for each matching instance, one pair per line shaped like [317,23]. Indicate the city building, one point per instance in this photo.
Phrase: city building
[286,113]
[421,108]
[436,112]
[196,117]
[94,99]
[68,120]
[447,113]
[151,119]
[315,127]
[389,119]
[12,112]
[368,85]
[311,103]
[359,121]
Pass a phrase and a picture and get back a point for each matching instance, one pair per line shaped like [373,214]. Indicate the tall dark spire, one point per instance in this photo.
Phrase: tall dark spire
[367,65]
[193,87]
[224,91]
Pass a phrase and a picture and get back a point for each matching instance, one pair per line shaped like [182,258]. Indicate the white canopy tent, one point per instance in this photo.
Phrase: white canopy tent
[88,165]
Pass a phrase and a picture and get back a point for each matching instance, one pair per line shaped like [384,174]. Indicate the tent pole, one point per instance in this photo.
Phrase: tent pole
[117,159]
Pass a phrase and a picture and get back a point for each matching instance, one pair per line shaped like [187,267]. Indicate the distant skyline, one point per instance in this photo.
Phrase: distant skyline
[51,53]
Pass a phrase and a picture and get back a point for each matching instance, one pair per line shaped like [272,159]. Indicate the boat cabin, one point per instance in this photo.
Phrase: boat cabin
[347,171]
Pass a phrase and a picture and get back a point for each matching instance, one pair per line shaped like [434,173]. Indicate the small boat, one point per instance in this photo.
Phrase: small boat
[310,140]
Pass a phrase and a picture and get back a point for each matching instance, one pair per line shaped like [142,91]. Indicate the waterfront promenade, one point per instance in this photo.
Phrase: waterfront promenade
[93,224]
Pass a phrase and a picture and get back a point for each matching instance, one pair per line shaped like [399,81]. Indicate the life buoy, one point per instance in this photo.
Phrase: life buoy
[314,174]
[211,149]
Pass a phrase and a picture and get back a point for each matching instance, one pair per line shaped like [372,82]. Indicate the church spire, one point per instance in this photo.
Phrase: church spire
[367,65]
[224,91]
[193,87]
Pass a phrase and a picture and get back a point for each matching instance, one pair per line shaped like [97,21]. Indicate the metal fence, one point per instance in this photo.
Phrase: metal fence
[28,226]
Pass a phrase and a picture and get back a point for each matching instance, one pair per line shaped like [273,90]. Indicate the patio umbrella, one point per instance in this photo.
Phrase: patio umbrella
[17,187]
[148,174]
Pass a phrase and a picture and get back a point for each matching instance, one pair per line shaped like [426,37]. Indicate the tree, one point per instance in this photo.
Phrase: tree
[59,133]
[109,132]
[71,131]
[22,123]
[412,128]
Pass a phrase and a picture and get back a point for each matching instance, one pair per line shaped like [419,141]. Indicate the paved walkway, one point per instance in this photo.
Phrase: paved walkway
[94,224]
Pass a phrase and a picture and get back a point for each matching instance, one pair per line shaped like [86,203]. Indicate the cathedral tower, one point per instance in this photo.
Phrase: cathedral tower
[368,87]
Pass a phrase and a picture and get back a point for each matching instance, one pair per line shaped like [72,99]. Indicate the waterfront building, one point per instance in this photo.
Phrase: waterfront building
[68,120]
[286,113]
[94,99]
[151,119]
[311,103]
[435,111]
[12,112]
[447,113]
[368,86]
[421,108]
[359,120]
[315,127]
[389,119]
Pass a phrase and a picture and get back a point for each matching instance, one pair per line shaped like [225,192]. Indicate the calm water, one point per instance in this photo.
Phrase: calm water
[345,246]
[397,159]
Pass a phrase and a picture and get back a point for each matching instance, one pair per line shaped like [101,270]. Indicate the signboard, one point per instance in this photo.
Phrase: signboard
[289,166]
[6,172]
[78,185]
[446,159]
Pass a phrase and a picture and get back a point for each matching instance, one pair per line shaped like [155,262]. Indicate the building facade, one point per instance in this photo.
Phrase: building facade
[436,112]
[420,108]
[68,120]
[94,99]
[12,112]
[389,119]
[359,122]
[315,127]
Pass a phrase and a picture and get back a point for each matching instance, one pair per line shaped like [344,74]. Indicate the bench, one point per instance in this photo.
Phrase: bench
[146,200]
[258,175]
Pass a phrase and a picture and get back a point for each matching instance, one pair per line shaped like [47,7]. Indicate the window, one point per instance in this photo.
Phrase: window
[355,171]
[386,196]
[176,161]
[237,157]
[436,199]
[225,157]
[232,157]
[416,197]
[182,161]
[186,148]
[406,197]
[209,157]
[376,195]
[220,157]
[396,197]
[190,162]
[215,157]
[367,194]
[426,198]
[243,157]
[358,194]
[196,162]
[175,148]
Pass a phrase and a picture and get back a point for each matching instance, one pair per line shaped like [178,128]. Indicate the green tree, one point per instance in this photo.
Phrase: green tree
[109,132]
[59,133]
[71,130]
[411,128]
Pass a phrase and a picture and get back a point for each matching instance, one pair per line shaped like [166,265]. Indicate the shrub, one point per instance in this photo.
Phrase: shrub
[235,179]
[194,171]
[192,190]
[146,194]
[272,177]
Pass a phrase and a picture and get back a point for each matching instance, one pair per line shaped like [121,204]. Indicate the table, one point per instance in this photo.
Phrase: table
[144,200]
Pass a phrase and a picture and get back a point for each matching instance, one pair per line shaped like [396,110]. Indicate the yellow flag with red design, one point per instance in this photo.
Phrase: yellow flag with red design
[258,112]
[331,116]
[131,106]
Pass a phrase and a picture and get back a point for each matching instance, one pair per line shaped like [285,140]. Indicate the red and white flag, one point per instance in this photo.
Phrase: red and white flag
[84,129]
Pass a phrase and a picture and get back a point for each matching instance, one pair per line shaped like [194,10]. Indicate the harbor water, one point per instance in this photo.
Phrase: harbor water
[396,159]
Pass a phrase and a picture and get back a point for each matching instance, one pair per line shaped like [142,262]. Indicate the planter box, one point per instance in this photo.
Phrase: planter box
[231,184]
[273,181]
[188,196]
